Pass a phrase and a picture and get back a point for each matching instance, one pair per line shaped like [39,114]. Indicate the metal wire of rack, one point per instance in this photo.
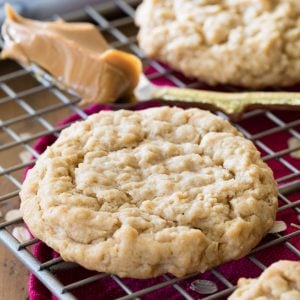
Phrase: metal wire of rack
[39,105]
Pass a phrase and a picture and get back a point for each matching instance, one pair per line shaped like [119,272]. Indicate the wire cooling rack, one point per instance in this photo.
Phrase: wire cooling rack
[31,108]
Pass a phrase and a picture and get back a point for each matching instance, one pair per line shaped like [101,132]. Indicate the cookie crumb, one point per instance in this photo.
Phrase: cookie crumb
[294,143]
[25,156]
[13,214]
[295,225]
[25,135]
[204,287]
[278,226]
[21,234]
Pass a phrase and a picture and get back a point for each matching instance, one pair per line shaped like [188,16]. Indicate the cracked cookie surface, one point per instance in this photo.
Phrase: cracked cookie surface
[250,43]
[280,281]
[142,193]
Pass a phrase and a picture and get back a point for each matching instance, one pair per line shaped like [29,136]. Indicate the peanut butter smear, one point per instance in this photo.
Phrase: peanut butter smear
[74,53]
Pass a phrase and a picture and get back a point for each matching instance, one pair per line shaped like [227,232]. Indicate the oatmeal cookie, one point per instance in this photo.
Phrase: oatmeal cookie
[250,43]
[142,193]
[281,281]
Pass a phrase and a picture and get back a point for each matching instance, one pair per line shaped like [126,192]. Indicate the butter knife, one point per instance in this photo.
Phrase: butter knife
[233,104]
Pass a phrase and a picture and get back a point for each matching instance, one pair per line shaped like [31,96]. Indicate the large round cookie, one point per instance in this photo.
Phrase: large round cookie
[141,193]
[281,281]
[250,43]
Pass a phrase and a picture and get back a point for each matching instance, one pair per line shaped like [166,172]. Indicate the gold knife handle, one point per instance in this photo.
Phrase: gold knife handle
[233,104]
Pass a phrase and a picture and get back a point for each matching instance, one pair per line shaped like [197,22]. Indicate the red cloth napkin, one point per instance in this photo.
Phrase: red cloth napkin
[106,288]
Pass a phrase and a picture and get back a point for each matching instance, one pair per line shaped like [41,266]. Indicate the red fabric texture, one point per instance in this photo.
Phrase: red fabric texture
[106,288]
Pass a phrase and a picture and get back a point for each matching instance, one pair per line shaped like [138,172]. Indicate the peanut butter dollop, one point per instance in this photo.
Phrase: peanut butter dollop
[74,53]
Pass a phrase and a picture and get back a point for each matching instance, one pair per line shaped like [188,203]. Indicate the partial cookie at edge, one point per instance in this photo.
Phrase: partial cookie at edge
[248,43]
[279,281]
